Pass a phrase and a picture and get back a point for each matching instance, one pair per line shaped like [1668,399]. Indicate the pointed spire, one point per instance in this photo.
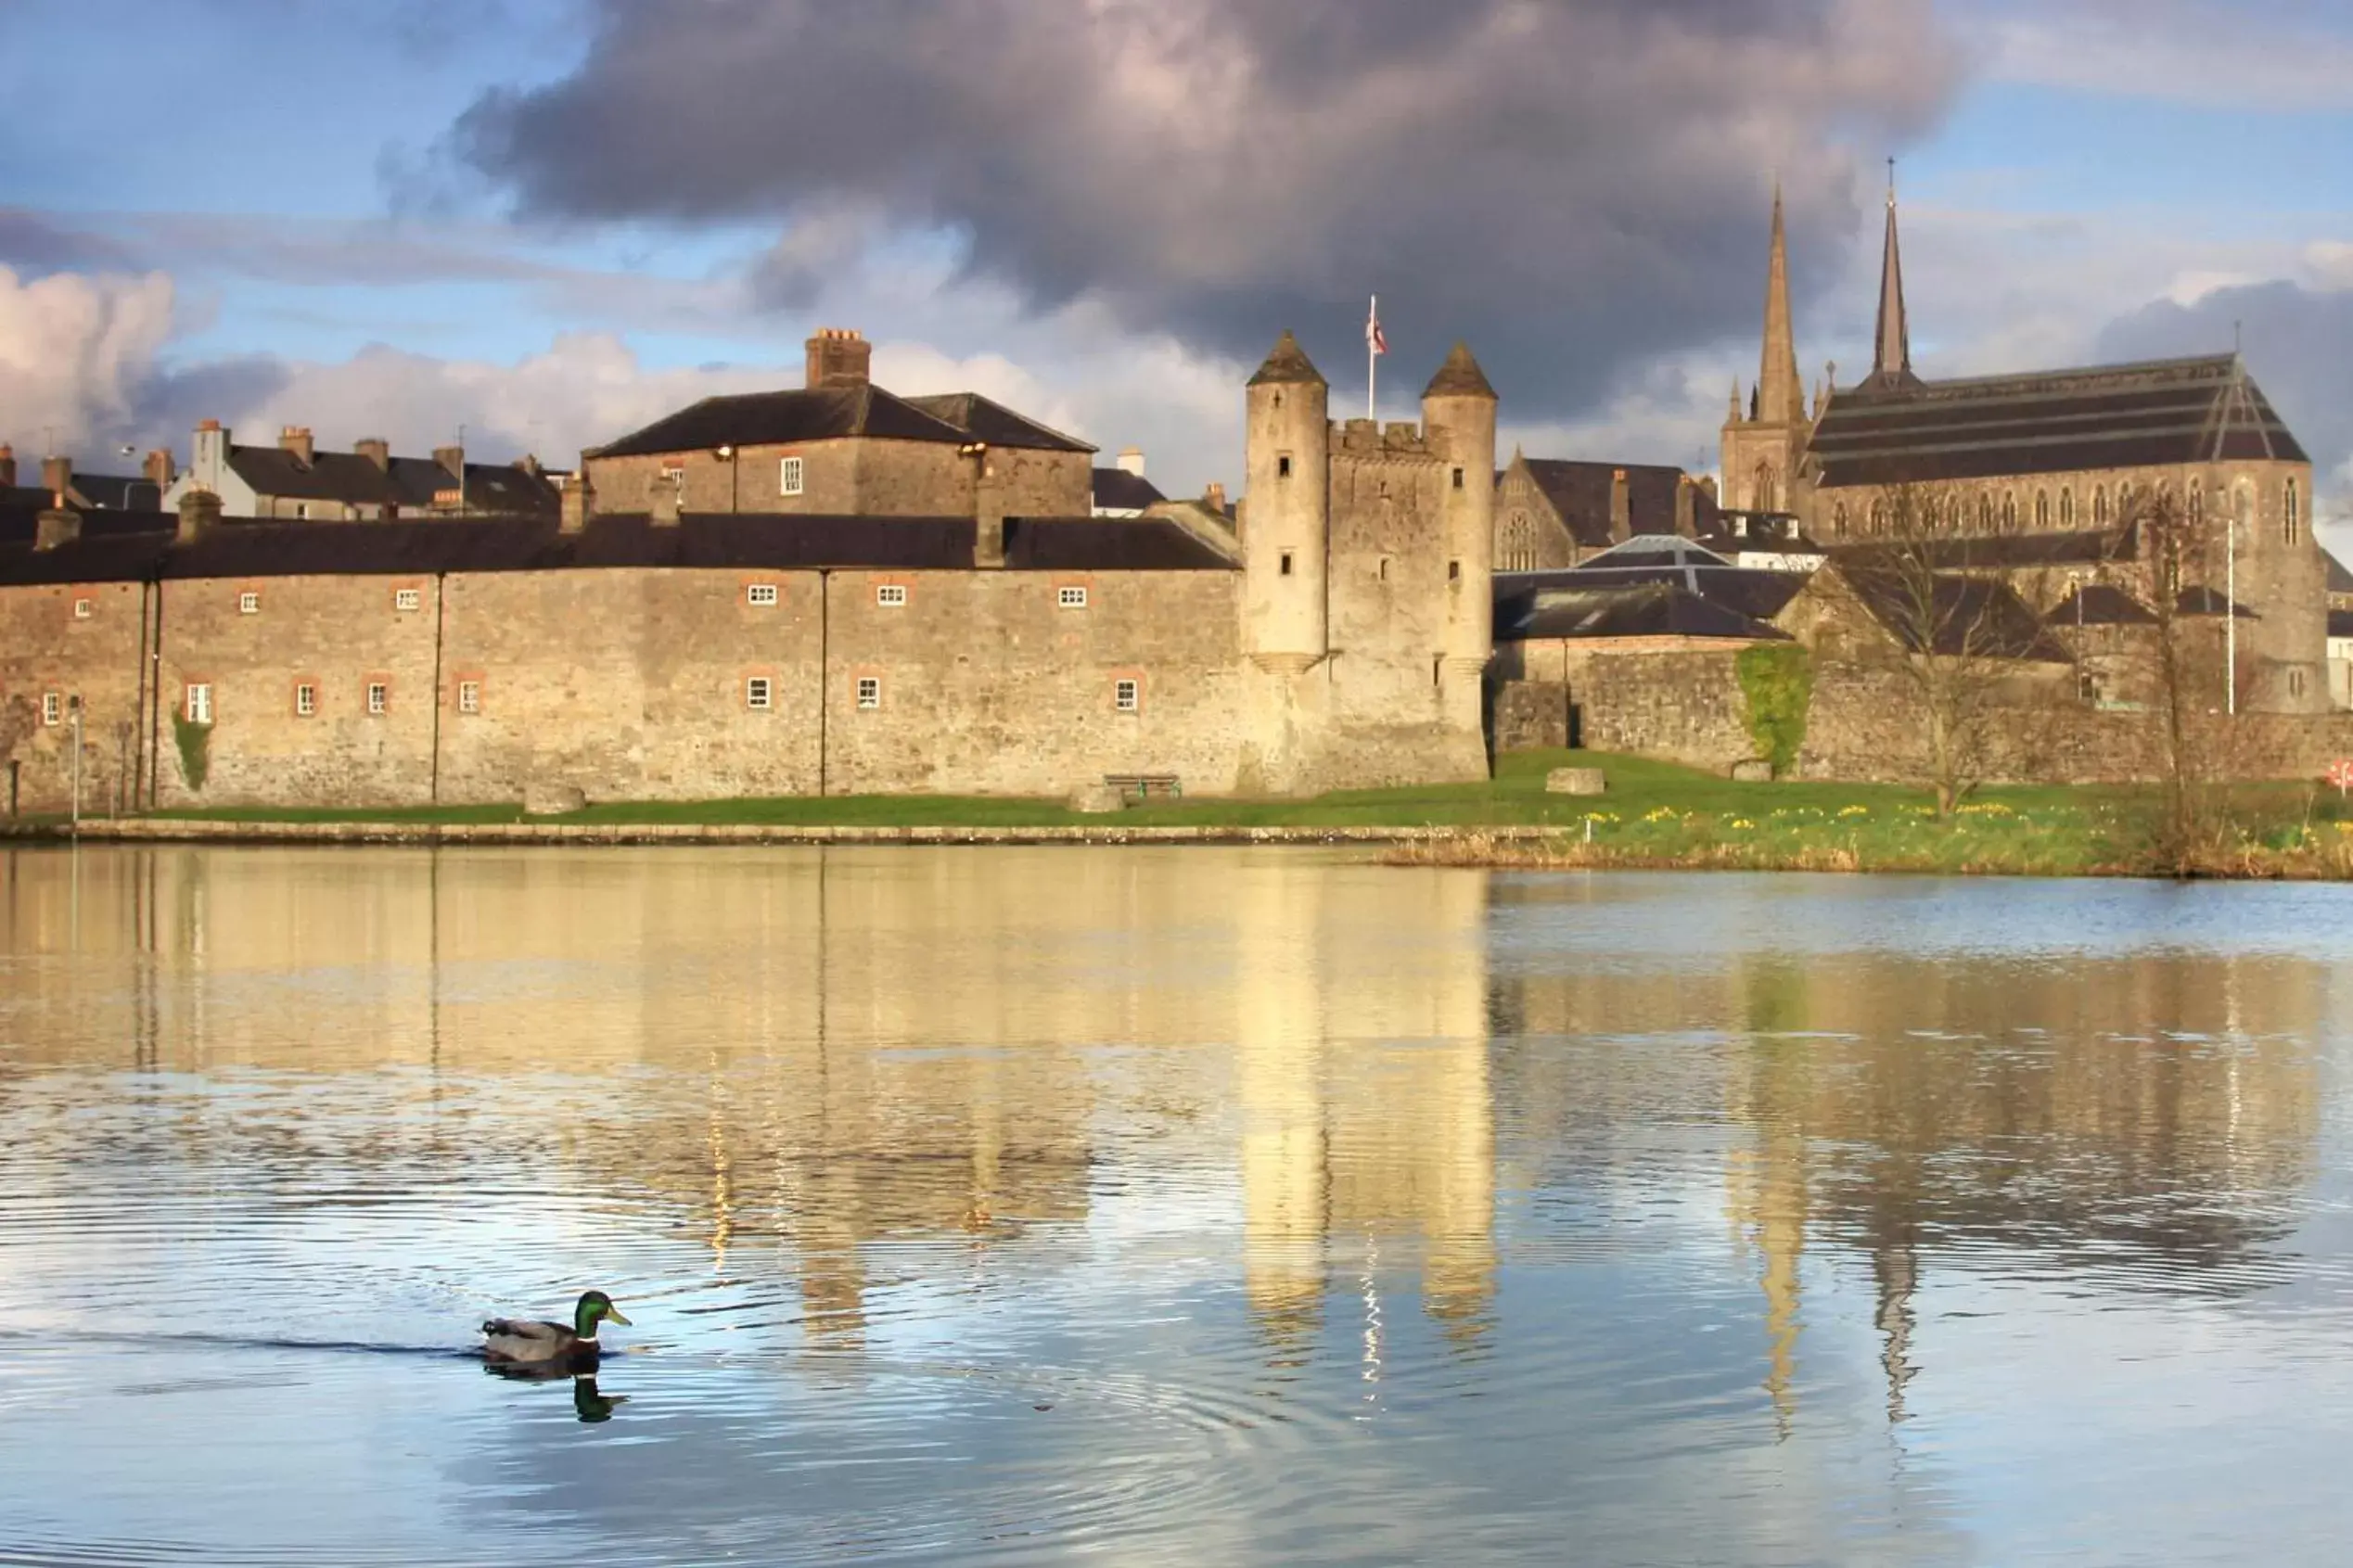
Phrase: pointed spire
[1735,408]
[1891,364]
[1780,393]
[1287,364]
[1459,376]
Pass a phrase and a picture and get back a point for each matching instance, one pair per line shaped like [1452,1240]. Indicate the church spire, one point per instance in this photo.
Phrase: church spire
[1780,393]
[1891,361]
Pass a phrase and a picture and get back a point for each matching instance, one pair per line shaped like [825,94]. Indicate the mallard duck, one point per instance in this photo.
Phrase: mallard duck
[531,1341]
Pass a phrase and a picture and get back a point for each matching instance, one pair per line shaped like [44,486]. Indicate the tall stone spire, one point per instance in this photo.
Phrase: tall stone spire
[1891,363]
[1781,393]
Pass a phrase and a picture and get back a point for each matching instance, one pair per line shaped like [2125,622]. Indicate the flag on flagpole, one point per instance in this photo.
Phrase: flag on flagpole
[1375,338]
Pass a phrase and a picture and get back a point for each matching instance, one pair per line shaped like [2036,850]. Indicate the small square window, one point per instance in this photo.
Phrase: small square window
[869,691]
[84,609]
[1283,466]
[1453,571]
[1073,598]
[469,696]
[380,698]
[306,700]
[893,593]
[1124,695]
[248,604]
[789,475]
[52,709]
[407,599]
[198,707]
[757,693]
[761,594]
[1286,562]
[1458,478]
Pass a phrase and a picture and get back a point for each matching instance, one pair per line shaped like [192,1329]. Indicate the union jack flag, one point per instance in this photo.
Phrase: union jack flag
[1375,338]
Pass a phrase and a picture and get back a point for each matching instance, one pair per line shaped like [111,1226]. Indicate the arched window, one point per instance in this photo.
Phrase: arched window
[2066,507]
[2009,513]
[2100,507]
[1878,519]
[2042,509]
[1985,513]
[2291,516]
[1767,496]
[1839,519]
[2197,501]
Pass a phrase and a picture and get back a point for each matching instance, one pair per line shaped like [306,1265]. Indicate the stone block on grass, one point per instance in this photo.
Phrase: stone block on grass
[1096,799]
[1752,772]
[1575,781]
[553,800]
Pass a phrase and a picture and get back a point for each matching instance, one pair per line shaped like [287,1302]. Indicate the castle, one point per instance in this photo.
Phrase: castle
[826,592]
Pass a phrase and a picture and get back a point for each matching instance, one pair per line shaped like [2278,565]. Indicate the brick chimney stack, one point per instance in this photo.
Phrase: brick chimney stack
[376,449]
[55,525]
[578,503]
[1132,461]
[199,515]
[1213,497]
[296,439]
[1622,508]
[452,459]
[56,476]
[159,471]
[838,357]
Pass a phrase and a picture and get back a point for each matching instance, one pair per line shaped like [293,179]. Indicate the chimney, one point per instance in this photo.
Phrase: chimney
[55,525]
[577,505]
[56,476]
[7,467]
[159,471]
[1132,461]
[199,515]
[1686,506]
[989,509]
[1622,508]
[1213,497]
[838,357]
[452,458]
[666,501]
[376,449]
[296,439]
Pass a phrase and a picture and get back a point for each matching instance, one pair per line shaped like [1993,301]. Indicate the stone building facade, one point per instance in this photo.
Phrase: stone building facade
[1337,639]
[2079,450]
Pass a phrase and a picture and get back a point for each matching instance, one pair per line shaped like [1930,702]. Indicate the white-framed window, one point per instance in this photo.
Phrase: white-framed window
[306,700]
[379,698]
[891,595]
[469,696]
[674,478]
[84,609]
[198,706]
[407,599]
[1126,695]
[52,709]
[789,475]
[758,692]
[249,602]
[761,594]
[1071,598]
[869,691]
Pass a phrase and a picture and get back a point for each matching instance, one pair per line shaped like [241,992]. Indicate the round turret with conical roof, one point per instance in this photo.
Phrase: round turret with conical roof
[1286,511]
[1458,420]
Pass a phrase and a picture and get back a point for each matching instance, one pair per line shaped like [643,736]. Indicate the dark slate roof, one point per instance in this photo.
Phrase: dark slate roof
[2007,551]
[2211,601]
[1121,491]
[1650,609]
[1759,595]
[1580,492]
[984,420]
[2099,604]
[117,493]
[348,478]
[20,520]
[2340,581]
[2167,411]
[2341,623]
[250,549]
[1964,616]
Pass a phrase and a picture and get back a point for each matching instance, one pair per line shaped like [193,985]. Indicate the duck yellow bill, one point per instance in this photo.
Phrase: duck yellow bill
[613,1315]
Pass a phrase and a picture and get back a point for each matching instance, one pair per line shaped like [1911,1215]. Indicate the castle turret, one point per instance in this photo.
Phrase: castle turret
[1458,420]
[1287,510]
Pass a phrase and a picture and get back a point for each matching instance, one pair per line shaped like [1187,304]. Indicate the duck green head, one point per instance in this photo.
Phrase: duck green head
[595,1307]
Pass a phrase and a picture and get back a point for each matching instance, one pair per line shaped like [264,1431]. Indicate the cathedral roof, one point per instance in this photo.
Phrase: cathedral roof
[1288,365]
[1459,376]
[2162,413]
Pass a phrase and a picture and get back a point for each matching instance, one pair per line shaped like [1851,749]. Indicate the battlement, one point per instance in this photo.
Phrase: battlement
[1368,438]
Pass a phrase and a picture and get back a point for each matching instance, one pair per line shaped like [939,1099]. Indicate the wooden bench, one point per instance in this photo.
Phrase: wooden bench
[1144,785]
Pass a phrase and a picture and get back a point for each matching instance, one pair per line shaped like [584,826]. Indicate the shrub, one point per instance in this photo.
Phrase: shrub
[1777,683]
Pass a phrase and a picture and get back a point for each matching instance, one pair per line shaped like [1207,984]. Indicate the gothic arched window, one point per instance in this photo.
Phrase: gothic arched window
[2291,516]
[2066,507]
[2100,507]
[2009,513]
[1878,519]
[1838,520]
[1985,513]
[1768,496]
[2197,501]
[2042,509]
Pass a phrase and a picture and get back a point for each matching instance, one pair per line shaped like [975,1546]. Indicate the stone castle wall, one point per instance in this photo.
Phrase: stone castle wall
[862,476]
[46,649]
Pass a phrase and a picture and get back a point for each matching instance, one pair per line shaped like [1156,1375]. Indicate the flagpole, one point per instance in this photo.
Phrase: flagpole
[1372,361]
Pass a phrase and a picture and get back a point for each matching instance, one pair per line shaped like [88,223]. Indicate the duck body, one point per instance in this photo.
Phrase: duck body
[528,1342]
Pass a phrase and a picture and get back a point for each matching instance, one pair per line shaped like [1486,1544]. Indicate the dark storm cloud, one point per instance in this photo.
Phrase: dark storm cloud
[2296,344]
[1570,184]
[33,242]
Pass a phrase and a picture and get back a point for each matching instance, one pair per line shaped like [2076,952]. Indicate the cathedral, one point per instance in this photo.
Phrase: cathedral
[2079,452]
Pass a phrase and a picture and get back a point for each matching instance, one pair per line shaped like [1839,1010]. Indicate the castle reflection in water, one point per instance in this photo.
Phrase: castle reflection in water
[816,1058]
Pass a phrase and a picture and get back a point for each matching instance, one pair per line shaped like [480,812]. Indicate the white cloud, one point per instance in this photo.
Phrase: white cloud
[76,353]
[2272,55]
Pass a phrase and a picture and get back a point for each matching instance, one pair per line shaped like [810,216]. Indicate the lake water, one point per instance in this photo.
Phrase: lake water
[1176,1206]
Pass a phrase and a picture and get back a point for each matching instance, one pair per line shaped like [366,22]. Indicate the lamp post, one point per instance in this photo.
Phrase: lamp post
[74,707]
[2230,606]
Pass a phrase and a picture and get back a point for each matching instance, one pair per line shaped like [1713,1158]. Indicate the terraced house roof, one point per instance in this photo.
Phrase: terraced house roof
[2166,412]
[810,413]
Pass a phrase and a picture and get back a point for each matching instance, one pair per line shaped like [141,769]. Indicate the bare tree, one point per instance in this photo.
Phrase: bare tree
[2180,675]
[1965,643]
[16,728]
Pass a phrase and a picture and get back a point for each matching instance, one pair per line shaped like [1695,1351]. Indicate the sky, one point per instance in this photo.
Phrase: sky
[542,223]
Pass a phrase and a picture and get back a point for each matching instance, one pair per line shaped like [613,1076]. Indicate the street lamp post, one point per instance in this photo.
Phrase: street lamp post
[73,706]
[2230,606]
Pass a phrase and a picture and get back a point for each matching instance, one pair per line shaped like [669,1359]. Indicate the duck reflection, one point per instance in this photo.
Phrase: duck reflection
[589,1404]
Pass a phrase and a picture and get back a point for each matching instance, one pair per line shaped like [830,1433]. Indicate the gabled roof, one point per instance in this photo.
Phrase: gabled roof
[1952,616]
[2162,413]
[984,420]
[116,492]
[1986,551]
[350,479]
[1648,609]
[2340,581]
[1119,490]
[1579,493]
[2099,604]
[1759,595]
[811,413]
[2210,602]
